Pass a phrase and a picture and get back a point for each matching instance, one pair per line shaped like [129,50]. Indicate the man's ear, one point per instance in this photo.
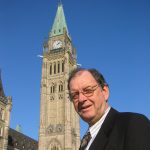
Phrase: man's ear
[106,92]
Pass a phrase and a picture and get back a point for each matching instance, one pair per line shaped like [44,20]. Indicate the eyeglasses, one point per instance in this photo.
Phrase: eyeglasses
[88,91]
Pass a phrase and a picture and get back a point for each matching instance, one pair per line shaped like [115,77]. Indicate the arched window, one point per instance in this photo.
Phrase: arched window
[54,68]
[60,87]
[58,67]
[54,145]
[54,148]
[50,69]
[52,89]
[62,66]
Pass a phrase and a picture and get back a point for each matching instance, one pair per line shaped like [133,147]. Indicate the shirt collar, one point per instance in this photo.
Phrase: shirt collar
[96,127]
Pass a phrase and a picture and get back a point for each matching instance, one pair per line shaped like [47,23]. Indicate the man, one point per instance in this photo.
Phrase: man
[108,128]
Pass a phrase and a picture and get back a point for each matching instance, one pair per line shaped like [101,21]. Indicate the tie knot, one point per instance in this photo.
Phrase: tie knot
[85,140]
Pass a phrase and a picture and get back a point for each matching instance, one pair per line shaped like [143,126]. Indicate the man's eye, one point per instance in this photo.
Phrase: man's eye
[88,91]
[74,95]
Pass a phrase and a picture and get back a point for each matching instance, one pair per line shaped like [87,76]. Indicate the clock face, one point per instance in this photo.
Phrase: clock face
[57,44]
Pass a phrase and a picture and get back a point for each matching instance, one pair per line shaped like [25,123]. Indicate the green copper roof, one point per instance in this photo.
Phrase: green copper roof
[59,22]
[19,128]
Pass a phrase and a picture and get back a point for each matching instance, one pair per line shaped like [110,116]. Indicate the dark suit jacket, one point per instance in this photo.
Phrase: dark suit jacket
[123,131]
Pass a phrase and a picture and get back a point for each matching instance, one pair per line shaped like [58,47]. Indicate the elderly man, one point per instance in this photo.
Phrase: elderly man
[108,128]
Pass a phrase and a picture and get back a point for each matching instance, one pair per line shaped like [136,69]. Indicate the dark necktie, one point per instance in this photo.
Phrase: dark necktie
[85,140]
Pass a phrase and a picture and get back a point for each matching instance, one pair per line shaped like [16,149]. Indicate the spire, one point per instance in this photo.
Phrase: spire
[19,128]
[1,86]
[59,22]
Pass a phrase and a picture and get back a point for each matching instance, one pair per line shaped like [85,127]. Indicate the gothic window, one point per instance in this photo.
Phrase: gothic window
[54,68]
[50,71]
[59,30]
[54,145]
[58,67]
[52,88]
[62,66]
[54,148]
[60,88]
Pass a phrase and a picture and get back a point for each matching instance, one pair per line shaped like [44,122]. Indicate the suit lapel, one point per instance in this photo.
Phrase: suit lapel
[99,142]
[102,137]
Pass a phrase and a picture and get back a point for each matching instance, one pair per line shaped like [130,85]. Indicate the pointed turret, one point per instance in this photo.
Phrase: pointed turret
[59,22]
[19,128]
[1,87]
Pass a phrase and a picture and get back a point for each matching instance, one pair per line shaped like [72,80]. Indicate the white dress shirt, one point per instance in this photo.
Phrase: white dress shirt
[96,127]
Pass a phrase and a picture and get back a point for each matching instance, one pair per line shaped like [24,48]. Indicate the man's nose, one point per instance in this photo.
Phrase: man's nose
[81,97]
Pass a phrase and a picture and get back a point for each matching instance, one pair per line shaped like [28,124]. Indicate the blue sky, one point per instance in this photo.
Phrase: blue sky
[112,36]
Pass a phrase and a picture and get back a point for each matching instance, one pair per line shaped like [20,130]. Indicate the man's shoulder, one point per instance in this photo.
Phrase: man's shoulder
[132,120]
[127,115]
[129,118]
[133,116]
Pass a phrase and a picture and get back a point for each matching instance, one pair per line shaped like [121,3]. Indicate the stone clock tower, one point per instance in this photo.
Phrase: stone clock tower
[59,123]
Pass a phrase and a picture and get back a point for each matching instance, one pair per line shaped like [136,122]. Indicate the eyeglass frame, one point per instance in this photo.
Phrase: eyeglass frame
[84,92]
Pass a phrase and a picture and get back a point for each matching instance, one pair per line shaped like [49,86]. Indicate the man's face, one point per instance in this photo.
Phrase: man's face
[90,108]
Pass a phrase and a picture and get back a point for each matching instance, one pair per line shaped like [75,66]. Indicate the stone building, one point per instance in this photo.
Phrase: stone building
[5,109]
[11,139]
[19,141]
[59,123]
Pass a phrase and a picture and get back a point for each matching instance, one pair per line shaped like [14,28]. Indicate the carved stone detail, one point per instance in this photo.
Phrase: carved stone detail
[58,128]
[60,96]
[50,129]
[51,97]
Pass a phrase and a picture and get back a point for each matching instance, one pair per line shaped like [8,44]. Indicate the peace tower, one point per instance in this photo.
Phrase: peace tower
[59,123]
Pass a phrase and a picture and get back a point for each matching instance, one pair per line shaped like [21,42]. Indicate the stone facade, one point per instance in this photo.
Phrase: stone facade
[5,109]
[59,123]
